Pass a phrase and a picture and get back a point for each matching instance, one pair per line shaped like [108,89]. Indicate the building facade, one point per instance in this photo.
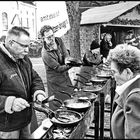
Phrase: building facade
[20,14]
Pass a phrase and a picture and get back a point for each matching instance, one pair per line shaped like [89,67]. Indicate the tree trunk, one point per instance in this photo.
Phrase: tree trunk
[74,32]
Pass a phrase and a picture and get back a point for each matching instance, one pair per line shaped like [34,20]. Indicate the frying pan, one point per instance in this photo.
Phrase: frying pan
[77,104]
[74,62]
[97,80]
[73,104]
[81,95]
[66,118]
[59,117]
[104,76]
[95,88]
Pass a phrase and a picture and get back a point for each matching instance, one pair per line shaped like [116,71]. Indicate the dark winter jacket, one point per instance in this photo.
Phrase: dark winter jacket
[104,48]
[11,84]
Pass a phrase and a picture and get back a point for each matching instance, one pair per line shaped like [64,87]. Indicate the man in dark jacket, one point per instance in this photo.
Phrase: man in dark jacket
[19,85]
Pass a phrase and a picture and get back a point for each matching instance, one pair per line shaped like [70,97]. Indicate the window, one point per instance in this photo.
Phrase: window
[4,21]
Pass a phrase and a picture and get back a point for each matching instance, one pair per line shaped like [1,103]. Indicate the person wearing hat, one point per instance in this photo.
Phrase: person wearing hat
[91,58]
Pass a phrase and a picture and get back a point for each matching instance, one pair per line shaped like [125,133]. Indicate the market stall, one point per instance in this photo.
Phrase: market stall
[50,130]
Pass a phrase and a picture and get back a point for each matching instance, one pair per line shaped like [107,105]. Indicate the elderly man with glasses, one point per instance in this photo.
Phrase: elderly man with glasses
[55,55]
[19,85]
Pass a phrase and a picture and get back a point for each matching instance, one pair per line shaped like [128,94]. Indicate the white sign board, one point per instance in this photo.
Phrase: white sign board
[53,13]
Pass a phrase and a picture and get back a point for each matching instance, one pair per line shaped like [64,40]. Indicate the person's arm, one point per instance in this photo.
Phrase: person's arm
[64,49]
[51,61]
[6,101]
[132,116]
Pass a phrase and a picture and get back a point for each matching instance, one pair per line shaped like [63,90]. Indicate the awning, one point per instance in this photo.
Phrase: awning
[105,14]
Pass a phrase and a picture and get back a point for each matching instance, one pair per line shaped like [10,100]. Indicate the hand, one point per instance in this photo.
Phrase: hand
[110,43]
[40,98]
[19,104]
[67,59]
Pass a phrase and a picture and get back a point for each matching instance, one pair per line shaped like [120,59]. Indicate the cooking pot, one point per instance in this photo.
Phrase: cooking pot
[59,117]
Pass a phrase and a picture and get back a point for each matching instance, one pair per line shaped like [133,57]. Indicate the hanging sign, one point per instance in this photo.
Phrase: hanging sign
[53,13]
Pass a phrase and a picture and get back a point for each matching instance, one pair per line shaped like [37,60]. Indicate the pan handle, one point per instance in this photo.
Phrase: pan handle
[59,101]
[51,98]
[82,76]
[80,82]
[75,87]
[64,92]
[40,109]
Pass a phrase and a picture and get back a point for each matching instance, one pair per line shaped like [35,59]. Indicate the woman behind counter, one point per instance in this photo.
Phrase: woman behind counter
[91,59]
[125,64]
[54,55]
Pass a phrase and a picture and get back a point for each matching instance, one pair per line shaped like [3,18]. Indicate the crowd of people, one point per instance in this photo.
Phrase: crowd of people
[20,84]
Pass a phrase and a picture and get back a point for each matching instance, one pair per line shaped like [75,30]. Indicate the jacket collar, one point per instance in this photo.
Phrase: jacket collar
[122,88]
[3,48]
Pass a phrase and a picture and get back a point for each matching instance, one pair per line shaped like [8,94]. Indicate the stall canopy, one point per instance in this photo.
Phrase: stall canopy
[105,14]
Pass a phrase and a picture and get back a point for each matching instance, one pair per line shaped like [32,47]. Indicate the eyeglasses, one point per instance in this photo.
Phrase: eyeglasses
[49,37]
[22,45]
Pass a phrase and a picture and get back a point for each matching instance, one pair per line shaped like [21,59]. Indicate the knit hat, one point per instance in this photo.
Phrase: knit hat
[94,45]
